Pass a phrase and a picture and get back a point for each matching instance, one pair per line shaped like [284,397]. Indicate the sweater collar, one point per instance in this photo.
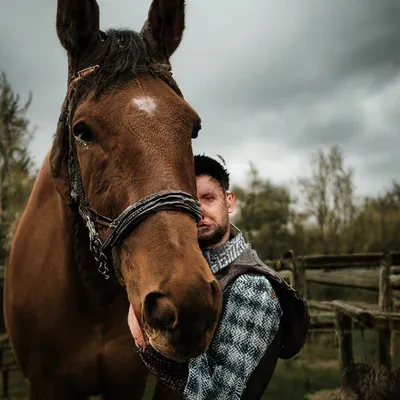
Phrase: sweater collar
[225,254]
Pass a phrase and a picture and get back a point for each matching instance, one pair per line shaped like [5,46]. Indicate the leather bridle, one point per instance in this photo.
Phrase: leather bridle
[134,214]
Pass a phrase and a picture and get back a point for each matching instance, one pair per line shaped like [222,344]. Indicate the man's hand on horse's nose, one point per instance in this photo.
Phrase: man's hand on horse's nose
[135,328]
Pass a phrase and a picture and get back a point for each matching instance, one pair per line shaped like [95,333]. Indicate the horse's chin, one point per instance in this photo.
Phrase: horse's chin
[160,343]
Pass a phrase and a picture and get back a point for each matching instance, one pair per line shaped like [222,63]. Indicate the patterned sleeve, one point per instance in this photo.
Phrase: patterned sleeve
[246,329]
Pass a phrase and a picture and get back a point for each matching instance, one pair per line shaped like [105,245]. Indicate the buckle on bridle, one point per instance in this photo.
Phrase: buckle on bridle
[82,74]
[99,256]
[95,244]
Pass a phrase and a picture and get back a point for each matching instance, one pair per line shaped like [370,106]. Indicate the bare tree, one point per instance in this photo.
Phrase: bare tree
[329,195]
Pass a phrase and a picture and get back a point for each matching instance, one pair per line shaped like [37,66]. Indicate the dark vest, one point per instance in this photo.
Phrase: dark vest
[295,320]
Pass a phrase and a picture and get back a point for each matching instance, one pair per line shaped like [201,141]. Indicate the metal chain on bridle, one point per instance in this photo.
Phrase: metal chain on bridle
[134,214]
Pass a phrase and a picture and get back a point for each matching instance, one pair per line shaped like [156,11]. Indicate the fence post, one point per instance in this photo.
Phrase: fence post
[385,305]
[393,336]
[299,272]
[343,325]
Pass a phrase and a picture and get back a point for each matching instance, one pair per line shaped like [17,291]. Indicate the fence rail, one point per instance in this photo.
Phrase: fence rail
[379,272]
[342,261]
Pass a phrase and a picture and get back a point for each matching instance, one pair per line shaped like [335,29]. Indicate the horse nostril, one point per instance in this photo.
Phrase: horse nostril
[159,311]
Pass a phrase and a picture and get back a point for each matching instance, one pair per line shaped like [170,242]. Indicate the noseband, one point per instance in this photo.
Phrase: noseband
[134,214]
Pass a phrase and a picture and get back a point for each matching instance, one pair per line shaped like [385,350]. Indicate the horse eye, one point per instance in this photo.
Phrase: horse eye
[196,130]
[83,134]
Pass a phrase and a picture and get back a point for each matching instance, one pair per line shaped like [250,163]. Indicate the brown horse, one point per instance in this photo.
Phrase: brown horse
[111,218]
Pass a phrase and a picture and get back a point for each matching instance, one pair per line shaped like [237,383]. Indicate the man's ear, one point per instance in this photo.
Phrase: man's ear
[231,201]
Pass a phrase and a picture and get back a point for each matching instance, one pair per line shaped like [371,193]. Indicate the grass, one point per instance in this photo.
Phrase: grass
[314,369]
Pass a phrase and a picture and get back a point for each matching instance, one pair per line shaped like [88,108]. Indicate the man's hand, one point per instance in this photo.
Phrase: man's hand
[135,328]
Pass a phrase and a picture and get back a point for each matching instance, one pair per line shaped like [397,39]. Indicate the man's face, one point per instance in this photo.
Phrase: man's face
[216,204]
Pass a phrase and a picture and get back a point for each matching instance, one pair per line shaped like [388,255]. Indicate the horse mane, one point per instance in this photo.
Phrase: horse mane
[121,55]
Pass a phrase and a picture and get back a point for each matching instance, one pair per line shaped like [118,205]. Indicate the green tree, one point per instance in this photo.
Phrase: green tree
[15,162]
[264,214]
[377,227]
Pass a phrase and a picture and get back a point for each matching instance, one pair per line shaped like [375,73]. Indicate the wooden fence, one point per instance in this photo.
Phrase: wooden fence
[377,272]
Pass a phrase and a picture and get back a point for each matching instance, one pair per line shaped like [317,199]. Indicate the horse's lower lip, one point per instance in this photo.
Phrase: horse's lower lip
[178,355]
[183,357]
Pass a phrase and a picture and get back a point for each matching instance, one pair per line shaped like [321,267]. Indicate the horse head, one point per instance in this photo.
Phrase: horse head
[122,158]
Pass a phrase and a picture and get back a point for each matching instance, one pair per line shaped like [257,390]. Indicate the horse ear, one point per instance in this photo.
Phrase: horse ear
[163,30]
[77,24]
[59,158]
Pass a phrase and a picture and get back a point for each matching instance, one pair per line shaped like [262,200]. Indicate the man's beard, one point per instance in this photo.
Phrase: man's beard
[210,239]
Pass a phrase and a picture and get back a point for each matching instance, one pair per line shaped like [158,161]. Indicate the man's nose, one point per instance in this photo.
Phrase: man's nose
[202,210]
[202,215]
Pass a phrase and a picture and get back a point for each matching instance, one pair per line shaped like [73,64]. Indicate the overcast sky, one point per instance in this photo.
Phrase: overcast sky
[273,80]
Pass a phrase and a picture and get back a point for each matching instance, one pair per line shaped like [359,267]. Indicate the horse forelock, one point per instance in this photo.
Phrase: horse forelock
[122,56]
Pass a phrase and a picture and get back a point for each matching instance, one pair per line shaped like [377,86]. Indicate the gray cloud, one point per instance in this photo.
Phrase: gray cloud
[272,81]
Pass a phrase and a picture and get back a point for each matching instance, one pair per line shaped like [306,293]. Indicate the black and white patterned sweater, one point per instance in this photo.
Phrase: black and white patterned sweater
[247,327]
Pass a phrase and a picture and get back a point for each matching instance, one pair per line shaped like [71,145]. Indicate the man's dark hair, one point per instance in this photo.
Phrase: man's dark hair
[204,165]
